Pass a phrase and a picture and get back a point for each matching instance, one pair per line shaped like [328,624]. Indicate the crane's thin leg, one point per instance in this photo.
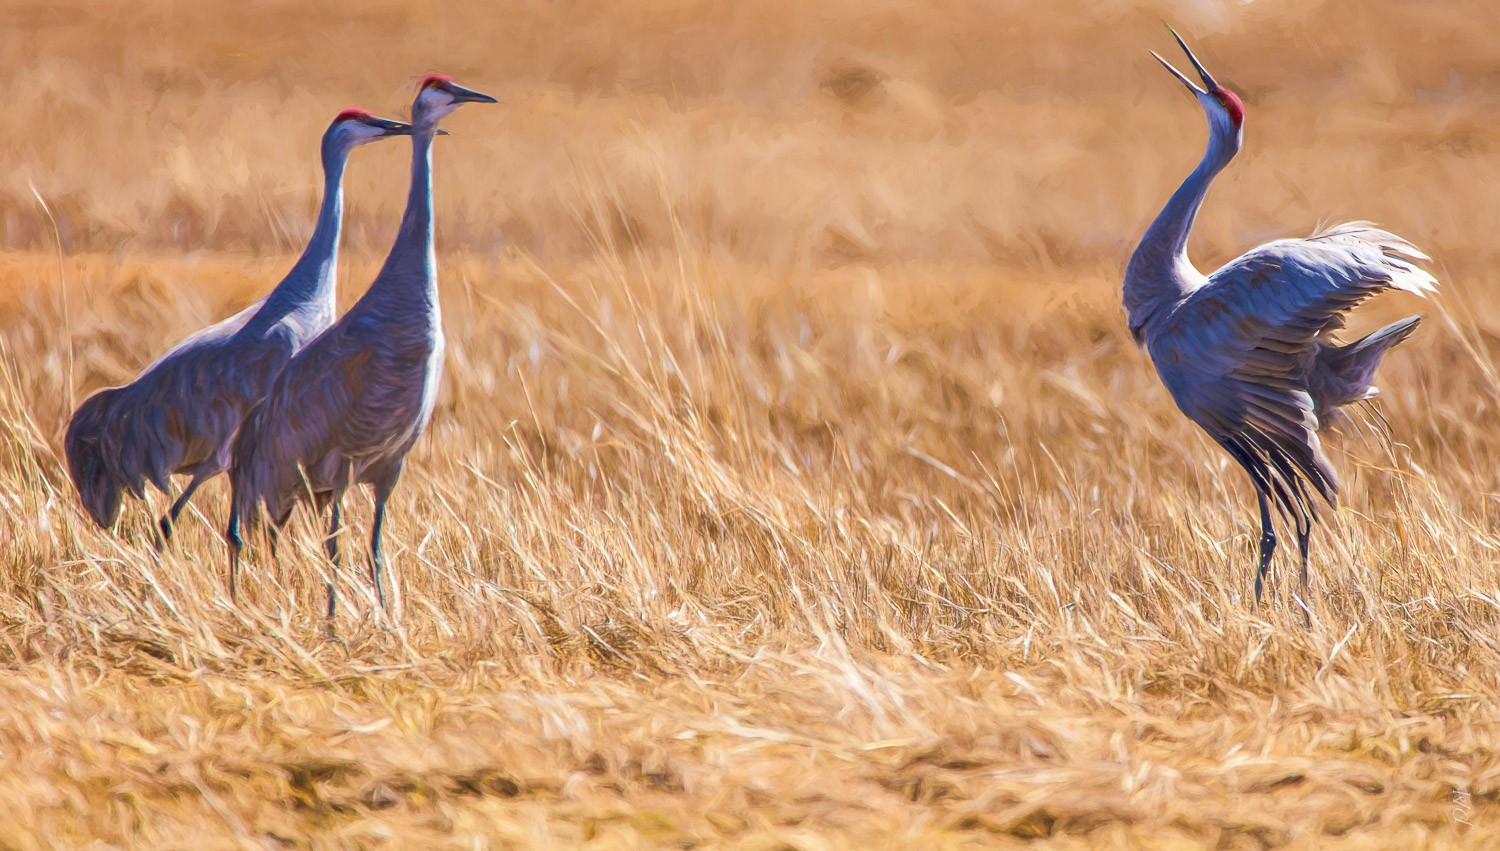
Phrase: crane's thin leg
[1255,466]
[331,544]
[376,565]
[232,535]
[1267,543]
[383,485]
[1304,545]
[169,520]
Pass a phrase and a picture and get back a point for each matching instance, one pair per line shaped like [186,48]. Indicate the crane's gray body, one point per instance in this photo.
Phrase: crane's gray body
[182,413]
[1246,352]
[349,406]
[1245,355]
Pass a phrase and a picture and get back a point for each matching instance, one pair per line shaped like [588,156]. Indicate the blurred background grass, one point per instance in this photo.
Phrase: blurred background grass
[793,135]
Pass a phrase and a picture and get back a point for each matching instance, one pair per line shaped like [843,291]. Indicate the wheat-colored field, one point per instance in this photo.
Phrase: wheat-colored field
[794,482]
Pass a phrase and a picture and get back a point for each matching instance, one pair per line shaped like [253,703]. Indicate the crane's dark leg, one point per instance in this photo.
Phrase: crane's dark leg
[331,544]
[232,535]
[376,565]
[1267,542]
[1255,466]
[169,520]
[1304,546]
[383,487]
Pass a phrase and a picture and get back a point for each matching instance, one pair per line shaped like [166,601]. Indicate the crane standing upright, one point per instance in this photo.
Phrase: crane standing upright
[181,413]
[348,407]
[1245,351]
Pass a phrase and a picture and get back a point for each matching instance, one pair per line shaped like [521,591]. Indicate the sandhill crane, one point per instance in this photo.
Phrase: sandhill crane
[1245,352]
[348,407]
[181,413]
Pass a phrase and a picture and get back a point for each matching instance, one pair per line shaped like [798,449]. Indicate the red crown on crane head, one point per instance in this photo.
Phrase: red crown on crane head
[351,114]
[1232,104]
[435,80]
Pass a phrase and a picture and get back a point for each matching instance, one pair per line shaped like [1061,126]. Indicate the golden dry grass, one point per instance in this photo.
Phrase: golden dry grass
[794,483]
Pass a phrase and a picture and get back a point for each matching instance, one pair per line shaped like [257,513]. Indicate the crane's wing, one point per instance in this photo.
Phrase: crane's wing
[221,330]
[1235,354]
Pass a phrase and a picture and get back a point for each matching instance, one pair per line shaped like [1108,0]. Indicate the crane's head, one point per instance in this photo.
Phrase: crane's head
[1225,112]
[438,96]
[93,475]
[354,127]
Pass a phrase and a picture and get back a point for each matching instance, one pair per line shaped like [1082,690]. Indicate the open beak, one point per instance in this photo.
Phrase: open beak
[463,95]
[1208,79]
[391,128]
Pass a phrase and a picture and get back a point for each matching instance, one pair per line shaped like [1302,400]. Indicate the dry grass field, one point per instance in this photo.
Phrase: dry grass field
[794,483]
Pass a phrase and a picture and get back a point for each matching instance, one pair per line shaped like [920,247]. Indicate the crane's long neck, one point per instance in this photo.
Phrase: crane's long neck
[1160,273]
[408,280]
[313,281]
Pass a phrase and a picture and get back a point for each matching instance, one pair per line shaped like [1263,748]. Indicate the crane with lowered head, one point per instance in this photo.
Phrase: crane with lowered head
[181,413]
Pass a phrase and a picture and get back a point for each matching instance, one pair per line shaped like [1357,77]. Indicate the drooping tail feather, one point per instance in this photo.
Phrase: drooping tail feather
[1367,350]
[1342,375]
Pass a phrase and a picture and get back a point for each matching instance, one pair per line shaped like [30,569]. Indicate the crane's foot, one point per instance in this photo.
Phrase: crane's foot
[1305,610]
[331,638]
[330,631]
[379,583]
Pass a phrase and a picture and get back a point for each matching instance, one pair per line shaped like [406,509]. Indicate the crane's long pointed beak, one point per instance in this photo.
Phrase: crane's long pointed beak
[1178,74]
[463,95]
[1208,79]
[391,128]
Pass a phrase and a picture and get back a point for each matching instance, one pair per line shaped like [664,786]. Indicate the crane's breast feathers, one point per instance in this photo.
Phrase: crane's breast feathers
[351,394]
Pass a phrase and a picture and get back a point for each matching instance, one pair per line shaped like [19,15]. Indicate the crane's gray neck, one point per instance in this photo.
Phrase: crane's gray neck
[415,235]
[409,274]
[312,283]
[1160,273]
